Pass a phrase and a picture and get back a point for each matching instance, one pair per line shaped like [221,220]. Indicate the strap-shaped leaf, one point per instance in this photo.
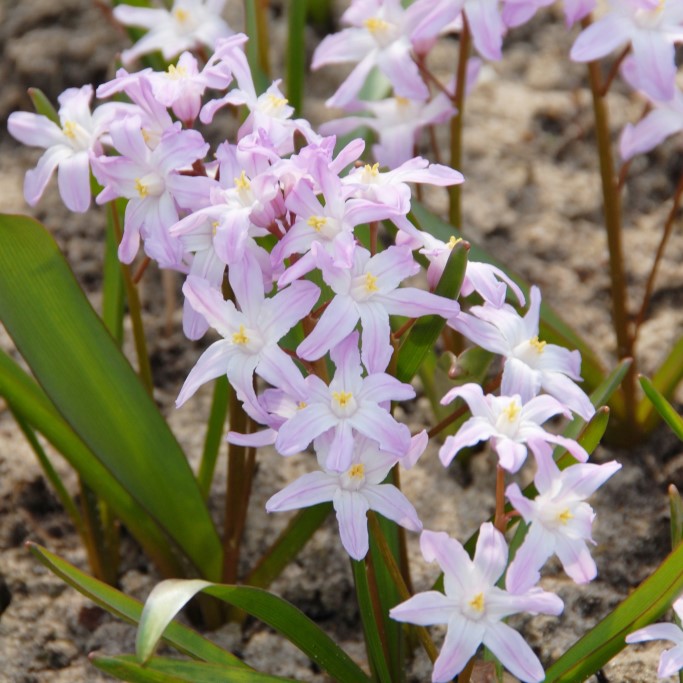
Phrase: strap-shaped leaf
[421,338]
[95,389]
[184,639]
[29,401]
[664,408]
[164,670]
[168,597]
[645,605]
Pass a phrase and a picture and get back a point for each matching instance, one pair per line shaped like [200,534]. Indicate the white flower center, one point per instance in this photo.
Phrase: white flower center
[354,478]
[382,31]
[507,422]
[363,287]
[530,351]
[325,226]
[150,184]
[343,403]
[475,608]
[78,137]
[249,339]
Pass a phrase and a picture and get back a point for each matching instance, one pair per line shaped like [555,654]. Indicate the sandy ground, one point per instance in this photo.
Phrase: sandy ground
[532,198]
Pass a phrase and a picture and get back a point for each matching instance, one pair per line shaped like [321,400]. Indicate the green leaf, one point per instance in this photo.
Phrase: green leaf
[645,605]
[169,596]
[665,381]
[288,544]
[113,299]
[676,509]
[29,401]
[42,105]
[165,670]
[425,332]
[553,328]
[184,639]
[664,408]
[370,623]
[95,389]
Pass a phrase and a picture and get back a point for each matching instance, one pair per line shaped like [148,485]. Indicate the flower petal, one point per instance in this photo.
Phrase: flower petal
[309,489]
[351,509]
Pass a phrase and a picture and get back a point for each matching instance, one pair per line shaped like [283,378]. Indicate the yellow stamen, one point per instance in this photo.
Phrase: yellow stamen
[565,516]
[141,188]
[242,183]
[69,129]
[181,15]
[301,405]
[357,471]
[145,135]
[214,228]
[374,25]
[317,222]
[342,397]
[240,337]
[512,411]
[276,102]
[402,101]
[453,241]
[176,72]
[477,602]
[370,283]
[372,170]
[538,345]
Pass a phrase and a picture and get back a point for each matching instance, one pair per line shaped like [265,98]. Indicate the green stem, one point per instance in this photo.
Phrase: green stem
[240,466]
[612,211]
[397,577]
[373,640]
[296,54]
[455,210]
[214,434]
[135,311]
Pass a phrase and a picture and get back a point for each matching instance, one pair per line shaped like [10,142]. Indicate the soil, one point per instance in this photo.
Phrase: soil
[532,197]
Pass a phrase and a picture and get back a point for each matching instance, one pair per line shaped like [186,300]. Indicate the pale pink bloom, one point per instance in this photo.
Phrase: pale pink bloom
[530,364]
[651,27]
[474,607]
[665,119]
[560,520]
[154,116]
[671,660]
[331,225]
[69,146]
[398,122]
[151,181]
[189,24]
[369,291]
[490,282]
[518,12]
[510,424]
[353,492]
[391,187]
[350,405]
[487,27]
[250,335]
[379,37]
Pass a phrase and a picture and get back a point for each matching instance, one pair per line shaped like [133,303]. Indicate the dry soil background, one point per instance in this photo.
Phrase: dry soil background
[532,197]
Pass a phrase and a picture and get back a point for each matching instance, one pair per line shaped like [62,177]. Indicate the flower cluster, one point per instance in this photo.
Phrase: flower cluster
[288,224]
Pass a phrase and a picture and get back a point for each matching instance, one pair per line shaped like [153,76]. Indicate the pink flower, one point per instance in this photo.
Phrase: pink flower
[350,404]
[474,607]
[353,492]
[651,27]
[518,12]
[530,364]
[149,179]
[510,425]
[560,520]
[671,660]
[188,24]
[69,146]
[250,335]
[369,291]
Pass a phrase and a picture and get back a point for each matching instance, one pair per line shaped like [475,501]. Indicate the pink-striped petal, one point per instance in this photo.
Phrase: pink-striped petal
[309,489]
[513,652]
[462,640]
[351,509]
[392,504]
[425,609]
